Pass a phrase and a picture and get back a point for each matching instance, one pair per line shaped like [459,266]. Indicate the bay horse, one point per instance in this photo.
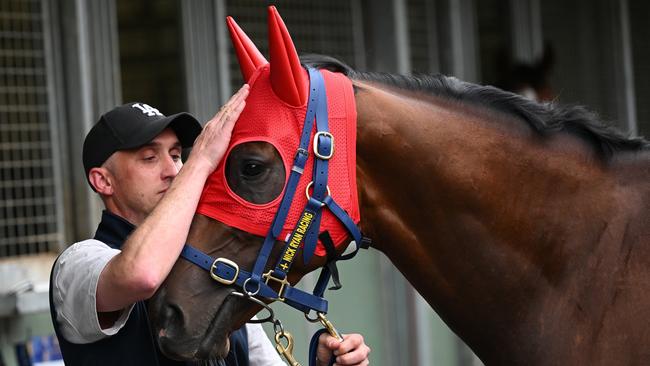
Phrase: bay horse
[525,226]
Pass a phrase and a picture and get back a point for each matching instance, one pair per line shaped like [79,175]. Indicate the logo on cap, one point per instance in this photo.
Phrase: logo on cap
[147,109]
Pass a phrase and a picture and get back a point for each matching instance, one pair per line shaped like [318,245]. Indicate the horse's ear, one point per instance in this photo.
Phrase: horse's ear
[250,58]
[288,78]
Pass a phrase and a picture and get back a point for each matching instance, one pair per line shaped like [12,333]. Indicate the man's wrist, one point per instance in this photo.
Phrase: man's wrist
[200,165]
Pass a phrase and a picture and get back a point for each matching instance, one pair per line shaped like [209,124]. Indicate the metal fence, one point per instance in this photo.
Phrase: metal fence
[323,27]
[28,203]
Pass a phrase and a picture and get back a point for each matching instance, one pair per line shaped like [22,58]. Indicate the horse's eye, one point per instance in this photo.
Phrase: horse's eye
[252,169]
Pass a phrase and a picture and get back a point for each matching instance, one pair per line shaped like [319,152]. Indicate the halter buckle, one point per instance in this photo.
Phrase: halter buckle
[215,276]
[316,145]
[282,281]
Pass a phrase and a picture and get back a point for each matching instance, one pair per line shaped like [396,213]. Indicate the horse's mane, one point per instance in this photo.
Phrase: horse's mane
[544,118]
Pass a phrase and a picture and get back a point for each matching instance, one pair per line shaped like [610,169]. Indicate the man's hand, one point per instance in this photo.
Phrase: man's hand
[211,144]
[352,351]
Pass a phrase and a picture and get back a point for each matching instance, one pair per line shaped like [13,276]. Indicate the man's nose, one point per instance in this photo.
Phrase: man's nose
[170,168]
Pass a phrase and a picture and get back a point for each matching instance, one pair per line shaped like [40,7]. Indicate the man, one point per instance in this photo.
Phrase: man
[132,159]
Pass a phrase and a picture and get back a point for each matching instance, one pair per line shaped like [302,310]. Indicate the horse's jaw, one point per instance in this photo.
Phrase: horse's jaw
[203,340]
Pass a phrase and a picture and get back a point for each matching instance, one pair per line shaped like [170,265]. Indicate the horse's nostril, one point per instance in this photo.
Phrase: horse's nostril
[170,332]
[172,318]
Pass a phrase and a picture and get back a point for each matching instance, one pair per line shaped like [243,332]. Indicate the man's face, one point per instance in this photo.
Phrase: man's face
[142,176]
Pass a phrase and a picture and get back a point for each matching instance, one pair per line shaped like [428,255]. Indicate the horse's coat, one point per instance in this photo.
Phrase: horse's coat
[525,226]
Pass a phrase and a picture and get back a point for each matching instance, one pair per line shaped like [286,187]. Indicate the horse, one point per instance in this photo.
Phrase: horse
[530,79]
[525,226]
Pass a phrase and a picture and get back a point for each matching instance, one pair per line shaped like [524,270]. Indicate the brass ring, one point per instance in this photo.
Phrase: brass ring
[329,193]
[251,293]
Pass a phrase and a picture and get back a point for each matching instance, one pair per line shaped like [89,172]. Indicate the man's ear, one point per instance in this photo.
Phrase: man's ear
[102,180]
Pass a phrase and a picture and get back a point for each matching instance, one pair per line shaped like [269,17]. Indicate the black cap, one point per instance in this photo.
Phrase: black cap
[130,126]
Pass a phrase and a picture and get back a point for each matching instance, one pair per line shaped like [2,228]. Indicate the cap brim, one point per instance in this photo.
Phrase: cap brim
[186,127]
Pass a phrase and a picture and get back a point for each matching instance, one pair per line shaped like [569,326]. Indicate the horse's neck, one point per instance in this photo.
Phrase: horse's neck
[485,220]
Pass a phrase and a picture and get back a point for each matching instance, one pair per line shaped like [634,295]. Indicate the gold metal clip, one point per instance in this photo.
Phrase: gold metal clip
[268,276]
[330,327]
[286,352]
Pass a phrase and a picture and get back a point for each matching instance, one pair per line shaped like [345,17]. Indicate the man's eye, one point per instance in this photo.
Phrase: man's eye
[252,169]
[176,157]
[149,158]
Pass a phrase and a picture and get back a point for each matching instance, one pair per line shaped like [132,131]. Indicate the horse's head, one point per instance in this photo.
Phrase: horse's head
[193,315]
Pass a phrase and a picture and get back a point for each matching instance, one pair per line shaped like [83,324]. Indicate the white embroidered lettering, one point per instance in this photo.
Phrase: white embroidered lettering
[147,109]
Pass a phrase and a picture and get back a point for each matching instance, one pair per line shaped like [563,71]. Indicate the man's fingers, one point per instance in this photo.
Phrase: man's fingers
[238,95]
[362,363]
[358,357]
[233,102]
[233,115]
[350,342]
[324,351]
[351,351]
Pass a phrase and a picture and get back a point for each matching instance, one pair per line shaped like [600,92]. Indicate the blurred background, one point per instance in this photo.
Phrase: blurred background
[63,63]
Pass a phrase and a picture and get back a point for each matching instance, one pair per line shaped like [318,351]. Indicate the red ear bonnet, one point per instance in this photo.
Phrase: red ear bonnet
[288,78]
[249,57]
[274,113]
